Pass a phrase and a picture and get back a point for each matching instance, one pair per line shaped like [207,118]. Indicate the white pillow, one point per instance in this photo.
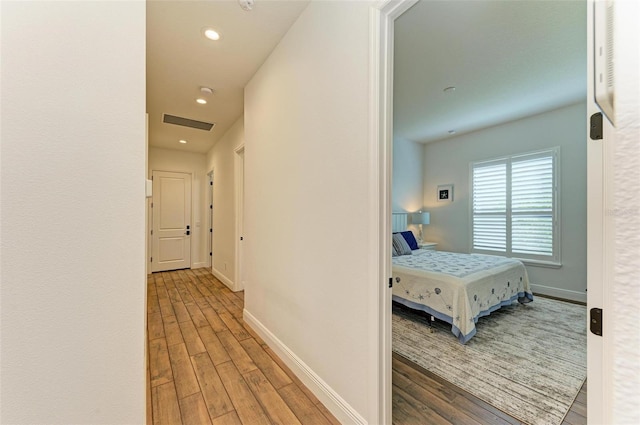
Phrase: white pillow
[400,244]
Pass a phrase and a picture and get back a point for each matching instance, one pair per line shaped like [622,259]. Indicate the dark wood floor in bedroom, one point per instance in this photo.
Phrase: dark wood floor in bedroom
[206,366]
[420,397]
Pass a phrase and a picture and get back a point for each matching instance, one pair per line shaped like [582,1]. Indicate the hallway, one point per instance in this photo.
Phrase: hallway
[206,366]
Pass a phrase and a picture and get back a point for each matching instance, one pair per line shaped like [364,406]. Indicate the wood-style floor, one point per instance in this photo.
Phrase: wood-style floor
[421,397]
[206,366]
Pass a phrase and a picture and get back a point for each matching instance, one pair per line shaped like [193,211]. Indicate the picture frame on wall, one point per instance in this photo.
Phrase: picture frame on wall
[445,193]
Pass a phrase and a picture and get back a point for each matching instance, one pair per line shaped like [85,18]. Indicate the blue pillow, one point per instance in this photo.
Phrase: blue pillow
[411,240]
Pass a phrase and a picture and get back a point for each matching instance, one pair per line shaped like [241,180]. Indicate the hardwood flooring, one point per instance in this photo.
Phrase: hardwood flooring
[206,366]
[421,397]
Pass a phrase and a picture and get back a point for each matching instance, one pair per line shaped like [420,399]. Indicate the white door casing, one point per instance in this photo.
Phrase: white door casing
[171,246]
[239,179]
[600,238]
[383,16]
[210,208]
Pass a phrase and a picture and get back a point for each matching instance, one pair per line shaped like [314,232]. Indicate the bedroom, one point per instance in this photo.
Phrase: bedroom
[496,95]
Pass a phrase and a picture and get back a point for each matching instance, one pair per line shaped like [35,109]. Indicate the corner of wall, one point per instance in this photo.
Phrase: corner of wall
[224,279]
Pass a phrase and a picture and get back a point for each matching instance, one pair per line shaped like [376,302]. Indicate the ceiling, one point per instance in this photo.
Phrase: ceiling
[506,59]
[180,60]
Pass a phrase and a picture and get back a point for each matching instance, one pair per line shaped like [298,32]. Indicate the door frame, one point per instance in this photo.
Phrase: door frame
[151,211]
[383,16]
[210,233]
[600,247]
[239,215]
[599,227]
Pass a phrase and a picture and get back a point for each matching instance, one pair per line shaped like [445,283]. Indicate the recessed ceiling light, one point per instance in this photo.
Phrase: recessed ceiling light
[211,34]
[246,5]
[449,89]
[182,141]
[201,101]
[452,132]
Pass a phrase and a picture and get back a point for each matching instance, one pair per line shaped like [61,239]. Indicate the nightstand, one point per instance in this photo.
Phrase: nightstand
[427,245]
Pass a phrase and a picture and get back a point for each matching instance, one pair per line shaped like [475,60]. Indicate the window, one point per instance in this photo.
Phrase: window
[515,207]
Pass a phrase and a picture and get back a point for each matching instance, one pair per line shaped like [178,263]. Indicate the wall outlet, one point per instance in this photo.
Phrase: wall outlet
[225,266]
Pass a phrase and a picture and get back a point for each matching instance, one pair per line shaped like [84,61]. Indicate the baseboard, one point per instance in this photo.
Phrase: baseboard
[222,278]
[332,400]
[198,265]
[559,293]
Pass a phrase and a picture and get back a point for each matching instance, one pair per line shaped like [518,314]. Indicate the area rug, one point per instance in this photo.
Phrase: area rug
[527,360]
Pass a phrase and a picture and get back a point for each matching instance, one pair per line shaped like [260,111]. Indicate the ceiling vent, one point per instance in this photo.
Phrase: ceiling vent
[186,122]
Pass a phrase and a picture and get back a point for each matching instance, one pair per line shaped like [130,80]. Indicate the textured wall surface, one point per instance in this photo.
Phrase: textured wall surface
[73,207]
[626,215]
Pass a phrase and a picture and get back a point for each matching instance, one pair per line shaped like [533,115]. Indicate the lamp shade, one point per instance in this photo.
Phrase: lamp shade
[420,218]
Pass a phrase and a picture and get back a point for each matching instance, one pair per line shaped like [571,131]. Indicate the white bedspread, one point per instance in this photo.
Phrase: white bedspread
[458,288]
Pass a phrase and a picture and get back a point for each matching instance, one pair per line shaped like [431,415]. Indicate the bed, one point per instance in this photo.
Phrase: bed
[458,288]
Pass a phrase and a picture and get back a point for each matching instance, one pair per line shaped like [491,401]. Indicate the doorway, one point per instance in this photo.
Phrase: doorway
[389,13]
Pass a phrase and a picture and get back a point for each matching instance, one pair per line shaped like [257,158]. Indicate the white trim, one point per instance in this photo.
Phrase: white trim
[382,17]
[199,265]
[222,278]
[327,395]
[537,263]
[238,163]
[559,293]
[210,211]
[599,233]
[147,218]
[607,256]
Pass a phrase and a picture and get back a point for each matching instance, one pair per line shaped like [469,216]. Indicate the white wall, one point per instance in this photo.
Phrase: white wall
[408,184]
[73,207]
[447,161]
[307,194]
[221,159]
[194,164]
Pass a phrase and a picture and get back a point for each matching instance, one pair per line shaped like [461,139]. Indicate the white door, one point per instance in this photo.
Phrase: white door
[171,247]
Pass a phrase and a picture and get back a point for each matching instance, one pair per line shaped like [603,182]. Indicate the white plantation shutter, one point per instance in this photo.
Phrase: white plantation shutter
[515,205]
[490,207]
[532,206]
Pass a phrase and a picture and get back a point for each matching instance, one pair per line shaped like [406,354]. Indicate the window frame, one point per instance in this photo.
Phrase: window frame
[553,261]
